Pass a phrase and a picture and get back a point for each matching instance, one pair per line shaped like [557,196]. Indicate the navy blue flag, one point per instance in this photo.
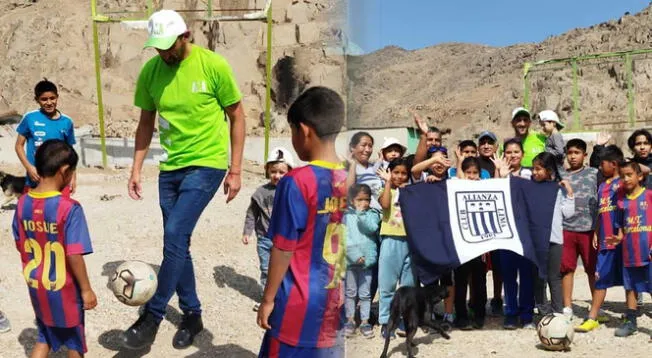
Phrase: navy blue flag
[452,222]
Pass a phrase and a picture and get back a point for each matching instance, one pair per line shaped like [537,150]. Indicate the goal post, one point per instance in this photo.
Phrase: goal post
[137,20]
[624,57]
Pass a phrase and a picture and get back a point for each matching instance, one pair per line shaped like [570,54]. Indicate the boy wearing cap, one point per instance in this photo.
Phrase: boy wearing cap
[278,164]
[486,149]
[194,91]
[554,142]
[533,143]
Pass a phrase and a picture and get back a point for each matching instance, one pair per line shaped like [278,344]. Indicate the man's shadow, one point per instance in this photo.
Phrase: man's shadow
[112,340]
[247,286]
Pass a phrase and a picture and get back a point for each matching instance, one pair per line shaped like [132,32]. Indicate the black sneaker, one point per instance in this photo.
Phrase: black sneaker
[190,326]
[463,324]
[142,333]
[478,322]
[496,307]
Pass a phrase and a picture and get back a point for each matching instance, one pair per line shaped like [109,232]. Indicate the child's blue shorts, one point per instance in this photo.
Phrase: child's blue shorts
[273,348]
[609,268]
[56,337]
[638,279]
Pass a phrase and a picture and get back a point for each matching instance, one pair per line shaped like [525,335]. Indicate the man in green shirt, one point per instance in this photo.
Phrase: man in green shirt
[194,92]
[533,142]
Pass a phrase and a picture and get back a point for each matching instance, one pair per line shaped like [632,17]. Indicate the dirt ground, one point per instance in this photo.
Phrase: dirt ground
[227,276]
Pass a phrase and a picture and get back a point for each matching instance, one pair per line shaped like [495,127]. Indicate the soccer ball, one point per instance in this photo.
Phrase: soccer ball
[133,283]
[555,332]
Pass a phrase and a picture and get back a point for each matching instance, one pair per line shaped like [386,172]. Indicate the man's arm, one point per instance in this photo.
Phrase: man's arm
[143,140]
[238,129]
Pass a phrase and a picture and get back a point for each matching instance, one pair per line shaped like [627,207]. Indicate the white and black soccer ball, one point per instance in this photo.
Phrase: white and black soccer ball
[133,283]
[555,332]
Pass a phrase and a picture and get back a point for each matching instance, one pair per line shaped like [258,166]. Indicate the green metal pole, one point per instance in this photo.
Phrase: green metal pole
[576,97]
[630,90]
[150,8]
[526,85]
[268,90]
[98,80]
[209,9]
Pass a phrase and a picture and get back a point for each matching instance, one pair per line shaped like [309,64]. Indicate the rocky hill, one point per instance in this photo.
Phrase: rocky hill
[53,39]
[471,87]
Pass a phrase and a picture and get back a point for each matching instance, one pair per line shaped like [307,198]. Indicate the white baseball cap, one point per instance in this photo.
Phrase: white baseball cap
[550,116]
[520,110]
[164,27]
[390,141]
[282,155]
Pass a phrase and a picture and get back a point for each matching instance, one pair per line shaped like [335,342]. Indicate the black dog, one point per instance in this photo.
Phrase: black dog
[12,186]
[415,306]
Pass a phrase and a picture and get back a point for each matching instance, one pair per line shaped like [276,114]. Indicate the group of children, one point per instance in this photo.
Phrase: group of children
[302,214]
[599,216]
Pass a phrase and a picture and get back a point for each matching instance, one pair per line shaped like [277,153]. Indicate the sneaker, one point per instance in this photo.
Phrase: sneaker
[5,326]
[587,326]
[639,299]
[463,324]
[349,329]
[256,307]
[626,329]
[400,331]
[602,317]
[142,333]
[510,323]
[496,307]
[384,333]
[190,326]
[529,325]
[367,331]
[478,322]
[568,312]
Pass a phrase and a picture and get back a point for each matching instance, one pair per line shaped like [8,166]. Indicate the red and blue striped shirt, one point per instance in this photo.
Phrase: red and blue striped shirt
[636,223]
[47,228]
[307,220]
[609,193]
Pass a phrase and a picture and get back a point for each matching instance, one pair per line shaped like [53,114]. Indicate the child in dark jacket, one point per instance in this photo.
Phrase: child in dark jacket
[362,225]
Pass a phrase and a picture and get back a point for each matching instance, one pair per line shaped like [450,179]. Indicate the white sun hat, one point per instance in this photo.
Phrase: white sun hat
[280,155]
[550,116]
[390,141]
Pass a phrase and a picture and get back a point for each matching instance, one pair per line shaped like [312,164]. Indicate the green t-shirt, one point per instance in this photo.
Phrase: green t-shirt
[190,99]
[533,144]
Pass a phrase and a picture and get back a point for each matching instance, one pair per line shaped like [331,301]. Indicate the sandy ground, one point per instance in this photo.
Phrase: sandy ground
[227,276]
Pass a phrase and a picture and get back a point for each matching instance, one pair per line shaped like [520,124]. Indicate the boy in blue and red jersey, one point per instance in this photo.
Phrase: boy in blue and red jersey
[609,267]
[51,236]
[302,308]
[635,222]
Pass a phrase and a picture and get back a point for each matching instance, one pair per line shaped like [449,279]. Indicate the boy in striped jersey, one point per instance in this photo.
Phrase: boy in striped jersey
[609,267]
[52,236]
[303,303]
[635,222]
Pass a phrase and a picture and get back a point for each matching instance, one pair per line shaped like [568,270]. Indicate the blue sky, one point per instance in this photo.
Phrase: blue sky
[412,24]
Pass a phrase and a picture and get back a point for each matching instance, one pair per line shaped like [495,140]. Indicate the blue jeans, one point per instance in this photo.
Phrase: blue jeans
[183,195]
[394,266]
[519,296]
[264,248]
[358,284]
